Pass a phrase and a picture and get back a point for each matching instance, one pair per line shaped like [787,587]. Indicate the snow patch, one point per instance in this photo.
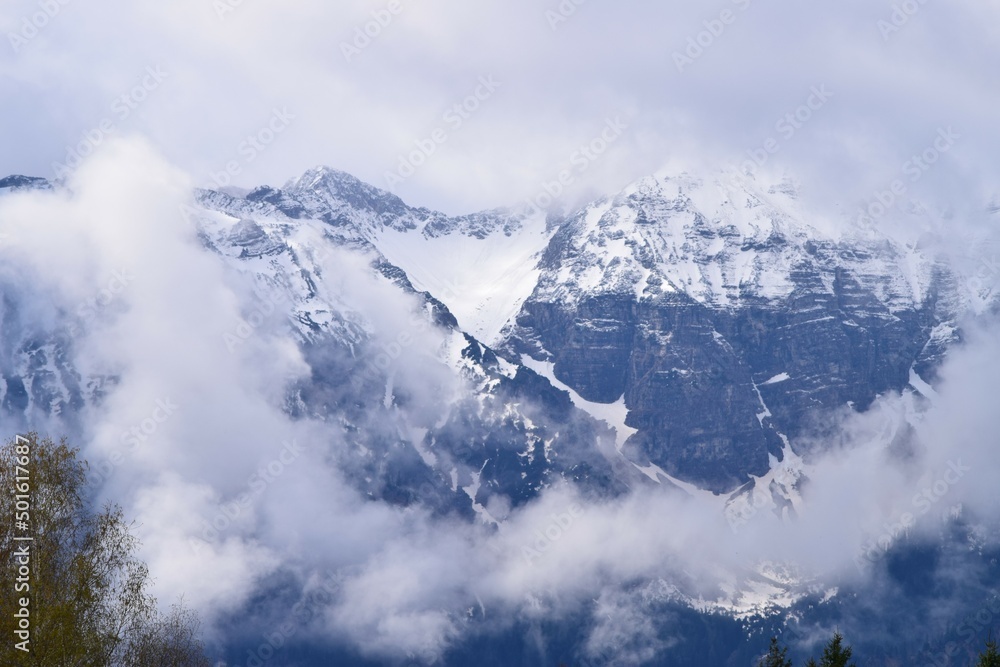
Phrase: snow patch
[780,377]
[612,414]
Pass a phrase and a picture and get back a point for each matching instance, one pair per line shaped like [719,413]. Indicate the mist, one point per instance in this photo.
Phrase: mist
[217,475]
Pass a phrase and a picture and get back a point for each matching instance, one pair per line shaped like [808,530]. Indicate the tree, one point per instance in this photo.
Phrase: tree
[991,658]
[88,601]
[776,656]
[836,655]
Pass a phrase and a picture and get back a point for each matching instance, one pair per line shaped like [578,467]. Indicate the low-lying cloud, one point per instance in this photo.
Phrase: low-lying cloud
[232,495]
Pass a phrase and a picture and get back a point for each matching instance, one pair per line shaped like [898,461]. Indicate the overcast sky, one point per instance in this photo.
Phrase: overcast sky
[559,73]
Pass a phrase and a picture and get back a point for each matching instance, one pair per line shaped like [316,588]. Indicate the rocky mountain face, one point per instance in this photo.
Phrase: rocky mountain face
[704,320]
[689,331]
[724,321]
[38,378]
[496,434]
[686,327]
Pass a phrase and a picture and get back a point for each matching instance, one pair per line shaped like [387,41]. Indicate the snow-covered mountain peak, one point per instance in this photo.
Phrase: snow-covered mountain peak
[729,198]
[323,192]
[719,238]
[17,182]
[343,200]
[339,185]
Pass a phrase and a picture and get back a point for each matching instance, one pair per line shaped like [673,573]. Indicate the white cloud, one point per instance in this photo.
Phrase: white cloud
[227,74]
[164,333]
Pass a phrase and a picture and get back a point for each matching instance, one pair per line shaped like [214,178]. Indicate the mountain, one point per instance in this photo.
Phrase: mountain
[703,318]
[507,432]
[16,183]
[724,321]
[690,331]
[701,321]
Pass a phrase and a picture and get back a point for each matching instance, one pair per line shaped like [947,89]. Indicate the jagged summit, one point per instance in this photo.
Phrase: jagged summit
[323,190]
[330,186]
[18,182]
[701,316]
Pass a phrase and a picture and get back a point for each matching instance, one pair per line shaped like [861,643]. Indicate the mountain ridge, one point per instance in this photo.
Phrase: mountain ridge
[679,298]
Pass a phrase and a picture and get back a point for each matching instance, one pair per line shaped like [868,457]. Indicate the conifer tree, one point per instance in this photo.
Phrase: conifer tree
[835,654]
[776,656]
[991,658]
